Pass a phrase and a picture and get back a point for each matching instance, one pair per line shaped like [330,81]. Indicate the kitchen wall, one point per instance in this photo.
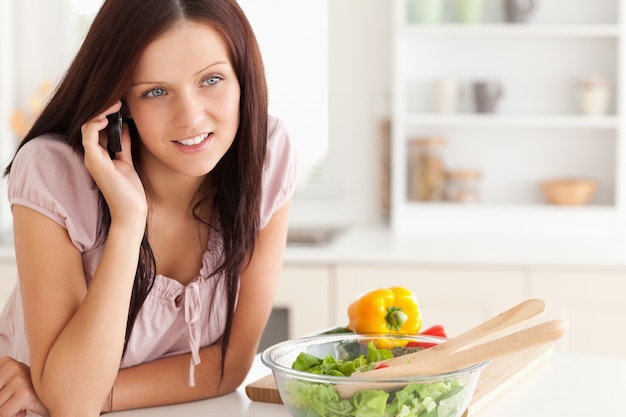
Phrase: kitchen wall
[6,103]
[38,51]
[359,80]
[42,46]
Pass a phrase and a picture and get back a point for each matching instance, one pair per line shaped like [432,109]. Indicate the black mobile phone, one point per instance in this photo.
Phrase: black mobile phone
[115,132]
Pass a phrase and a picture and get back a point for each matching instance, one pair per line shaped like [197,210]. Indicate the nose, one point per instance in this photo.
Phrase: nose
[188,111]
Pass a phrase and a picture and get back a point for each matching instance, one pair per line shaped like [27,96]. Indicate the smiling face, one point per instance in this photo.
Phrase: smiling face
[184,100]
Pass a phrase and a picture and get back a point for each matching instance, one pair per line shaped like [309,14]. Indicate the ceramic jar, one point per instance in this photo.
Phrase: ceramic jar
[594,94]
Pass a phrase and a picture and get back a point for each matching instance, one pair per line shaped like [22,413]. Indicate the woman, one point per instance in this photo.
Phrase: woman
[139,276]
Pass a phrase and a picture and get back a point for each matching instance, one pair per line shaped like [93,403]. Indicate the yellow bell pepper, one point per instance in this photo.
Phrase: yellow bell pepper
[393,310]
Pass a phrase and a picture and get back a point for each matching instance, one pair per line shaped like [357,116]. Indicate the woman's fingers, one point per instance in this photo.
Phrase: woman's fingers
[17,394]
[95,129]
[117,179]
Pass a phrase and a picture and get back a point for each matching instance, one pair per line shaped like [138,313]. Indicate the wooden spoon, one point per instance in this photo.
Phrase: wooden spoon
[505,321]
[472,347]
[443,362]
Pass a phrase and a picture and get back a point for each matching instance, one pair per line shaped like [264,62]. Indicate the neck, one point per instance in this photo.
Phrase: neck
[171,192]
[177,195]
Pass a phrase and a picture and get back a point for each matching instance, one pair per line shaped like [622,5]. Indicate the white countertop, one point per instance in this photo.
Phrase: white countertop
[569,386]
[379,244]
[566,385]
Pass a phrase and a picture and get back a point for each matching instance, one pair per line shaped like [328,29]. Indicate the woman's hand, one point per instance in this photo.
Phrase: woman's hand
[116,178]
[17,395]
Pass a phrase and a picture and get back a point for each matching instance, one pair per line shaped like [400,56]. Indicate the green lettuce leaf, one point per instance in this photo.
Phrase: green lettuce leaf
[307,399]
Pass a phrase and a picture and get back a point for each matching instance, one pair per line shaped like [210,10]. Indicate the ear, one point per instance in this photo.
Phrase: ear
[125,111]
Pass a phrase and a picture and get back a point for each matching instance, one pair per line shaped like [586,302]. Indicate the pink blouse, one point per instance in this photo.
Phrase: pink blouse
[49,177]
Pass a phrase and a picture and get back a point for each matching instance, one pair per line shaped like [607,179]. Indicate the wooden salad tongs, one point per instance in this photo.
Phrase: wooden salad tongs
[476,345]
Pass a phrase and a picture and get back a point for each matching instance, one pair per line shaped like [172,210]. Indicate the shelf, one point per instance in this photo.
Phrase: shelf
[517,121]
[536,208]
[513,30]
[531,219]
[539,62]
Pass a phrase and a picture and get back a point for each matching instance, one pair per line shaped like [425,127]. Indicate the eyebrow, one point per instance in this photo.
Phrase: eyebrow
[196,74]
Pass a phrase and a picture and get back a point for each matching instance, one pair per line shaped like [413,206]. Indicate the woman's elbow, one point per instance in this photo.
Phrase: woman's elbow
[73,407]
[234,376]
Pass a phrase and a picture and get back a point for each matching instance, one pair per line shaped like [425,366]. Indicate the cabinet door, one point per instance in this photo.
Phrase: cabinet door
[8,277]
[592,301]
[304,292]
[458,298]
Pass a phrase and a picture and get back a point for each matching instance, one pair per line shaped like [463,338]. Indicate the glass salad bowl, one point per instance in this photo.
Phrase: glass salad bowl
[311,374]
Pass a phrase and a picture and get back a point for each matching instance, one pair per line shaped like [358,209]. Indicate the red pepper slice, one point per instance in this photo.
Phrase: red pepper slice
[424,345]
[436,330]
[381,365]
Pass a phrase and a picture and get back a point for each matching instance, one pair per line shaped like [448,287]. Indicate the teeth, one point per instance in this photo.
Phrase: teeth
[194,141]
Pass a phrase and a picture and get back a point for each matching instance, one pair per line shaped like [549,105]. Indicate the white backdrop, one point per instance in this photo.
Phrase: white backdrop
[293,36]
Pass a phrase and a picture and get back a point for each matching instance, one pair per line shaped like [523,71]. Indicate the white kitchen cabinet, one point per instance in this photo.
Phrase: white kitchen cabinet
[592,300]
[458,298]
[304,290]
[537,132]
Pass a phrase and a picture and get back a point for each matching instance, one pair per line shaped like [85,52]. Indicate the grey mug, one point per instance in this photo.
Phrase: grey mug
[518,10]
[487,94]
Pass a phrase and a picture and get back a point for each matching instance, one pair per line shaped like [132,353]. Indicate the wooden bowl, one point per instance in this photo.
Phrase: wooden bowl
[569,192]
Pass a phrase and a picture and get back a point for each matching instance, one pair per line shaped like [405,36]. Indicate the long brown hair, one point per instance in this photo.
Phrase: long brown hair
[101,74]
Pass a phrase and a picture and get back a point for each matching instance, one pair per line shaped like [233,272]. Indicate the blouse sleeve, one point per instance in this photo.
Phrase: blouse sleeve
[49,177]
[279,173]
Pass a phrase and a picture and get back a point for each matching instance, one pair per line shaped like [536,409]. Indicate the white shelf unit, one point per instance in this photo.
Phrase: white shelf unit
[537,132]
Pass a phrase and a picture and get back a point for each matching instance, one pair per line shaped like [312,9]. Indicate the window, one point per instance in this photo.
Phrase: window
[84,12]
[293,37]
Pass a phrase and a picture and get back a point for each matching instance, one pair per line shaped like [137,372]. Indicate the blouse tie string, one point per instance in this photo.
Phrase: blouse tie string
[192,317]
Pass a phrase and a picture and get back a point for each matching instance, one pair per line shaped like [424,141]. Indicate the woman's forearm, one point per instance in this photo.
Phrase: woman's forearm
[166,380]
[83,361]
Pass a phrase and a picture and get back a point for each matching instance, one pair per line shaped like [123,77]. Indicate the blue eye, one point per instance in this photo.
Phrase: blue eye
[214,80]
[155,92]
